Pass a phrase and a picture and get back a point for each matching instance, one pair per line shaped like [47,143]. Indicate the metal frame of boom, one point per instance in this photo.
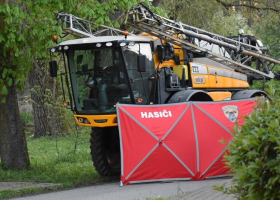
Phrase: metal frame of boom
[142,18]
[84,28]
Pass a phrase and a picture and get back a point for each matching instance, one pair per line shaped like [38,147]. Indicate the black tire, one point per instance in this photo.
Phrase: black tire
[190,95]
[105,151]
[245,94]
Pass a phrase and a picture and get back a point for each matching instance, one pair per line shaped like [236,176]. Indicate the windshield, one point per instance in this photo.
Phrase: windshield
[100,80]
[142,83]
[103,77]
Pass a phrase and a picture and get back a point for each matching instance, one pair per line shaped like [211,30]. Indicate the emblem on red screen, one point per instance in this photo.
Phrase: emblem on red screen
[231,112]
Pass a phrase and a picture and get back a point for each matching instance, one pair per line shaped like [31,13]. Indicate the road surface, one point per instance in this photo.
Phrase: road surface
[112,191]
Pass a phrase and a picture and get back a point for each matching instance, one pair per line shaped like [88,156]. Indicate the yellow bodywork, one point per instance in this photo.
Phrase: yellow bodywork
[220,96]
[111,120]
[205,76]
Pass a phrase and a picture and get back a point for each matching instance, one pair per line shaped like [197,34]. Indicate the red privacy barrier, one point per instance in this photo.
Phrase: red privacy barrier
[177,141]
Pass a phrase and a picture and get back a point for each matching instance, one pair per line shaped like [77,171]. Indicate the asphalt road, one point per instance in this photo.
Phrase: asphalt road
[112,191]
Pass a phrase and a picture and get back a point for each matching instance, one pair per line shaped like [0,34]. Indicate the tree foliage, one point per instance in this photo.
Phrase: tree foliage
[268,31]
[29,26]
[207,15]
[196,13]
[229,23]
[257,5]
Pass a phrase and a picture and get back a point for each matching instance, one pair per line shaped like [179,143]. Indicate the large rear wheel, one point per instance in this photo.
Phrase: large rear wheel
[245,94]
[190,95]
[105,150]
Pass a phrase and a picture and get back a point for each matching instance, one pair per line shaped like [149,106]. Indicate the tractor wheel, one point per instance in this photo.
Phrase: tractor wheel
[105,150]
[244,94]
[190,95]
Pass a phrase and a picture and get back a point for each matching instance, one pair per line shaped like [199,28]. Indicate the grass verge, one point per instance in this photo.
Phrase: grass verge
[62,159]
[24,191]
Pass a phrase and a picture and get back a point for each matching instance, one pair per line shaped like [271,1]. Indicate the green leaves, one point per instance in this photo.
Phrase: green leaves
[102,11]
[28,26]
[27,29]
[6,9]
[254,155]
[9,81]
[116,24]
[4,90]
[4,73]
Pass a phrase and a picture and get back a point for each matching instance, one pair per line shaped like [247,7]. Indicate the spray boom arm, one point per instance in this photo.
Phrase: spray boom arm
[142,18]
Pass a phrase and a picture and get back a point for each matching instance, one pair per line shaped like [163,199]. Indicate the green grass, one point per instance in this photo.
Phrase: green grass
[25,191]
[62,159]
[26,117]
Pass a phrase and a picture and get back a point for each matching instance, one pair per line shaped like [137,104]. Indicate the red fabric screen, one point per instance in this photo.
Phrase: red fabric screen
[177,141]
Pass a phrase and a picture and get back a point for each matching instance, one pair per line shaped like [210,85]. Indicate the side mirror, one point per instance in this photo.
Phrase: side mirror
[79,59]
[141,62]
[53,68]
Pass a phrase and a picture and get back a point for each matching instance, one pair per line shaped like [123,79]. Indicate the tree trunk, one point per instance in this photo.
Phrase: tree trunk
[48,115]
[13,145]
[39,113]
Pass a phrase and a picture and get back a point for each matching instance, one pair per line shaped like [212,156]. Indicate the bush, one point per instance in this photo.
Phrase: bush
[255,153]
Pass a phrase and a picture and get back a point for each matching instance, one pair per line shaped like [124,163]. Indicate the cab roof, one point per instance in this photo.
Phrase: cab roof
[106,39]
